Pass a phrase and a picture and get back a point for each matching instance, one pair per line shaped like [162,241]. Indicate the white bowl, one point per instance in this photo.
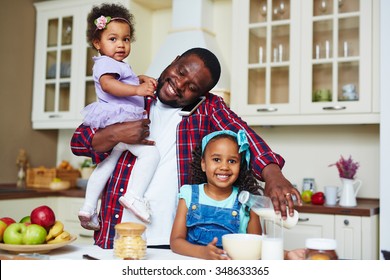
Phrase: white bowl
[241,246]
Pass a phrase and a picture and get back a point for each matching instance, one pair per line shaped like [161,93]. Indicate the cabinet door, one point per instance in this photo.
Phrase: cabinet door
[63,82]
[54,58]
[266,62]
[309,226]
[336,56]
[348,236]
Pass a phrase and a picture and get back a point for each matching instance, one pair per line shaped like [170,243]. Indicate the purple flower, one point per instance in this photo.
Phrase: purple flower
[347,167]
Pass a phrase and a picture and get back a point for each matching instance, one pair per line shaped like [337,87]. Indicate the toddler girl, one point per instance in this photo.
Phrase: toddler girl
[120,94]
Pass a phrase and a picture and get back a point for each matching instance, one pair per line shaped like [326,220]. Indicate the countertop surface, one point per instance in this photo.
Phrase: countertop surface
[81,251]
[365,207]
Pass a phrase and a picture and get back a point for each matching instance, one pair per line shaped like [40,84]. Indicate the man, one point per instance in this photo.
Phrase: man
[189,76]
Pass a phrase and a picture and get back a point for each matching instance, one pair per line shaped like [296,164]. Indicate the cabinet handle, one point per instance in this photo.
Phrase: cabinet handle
[271,109]
[334,108]
[346,222]
[85,235]
[303,219]
[54,116]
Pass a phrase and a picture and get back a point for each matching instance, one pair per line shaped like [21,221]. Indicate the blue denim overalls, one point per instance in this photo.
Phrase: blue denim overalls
[204,222]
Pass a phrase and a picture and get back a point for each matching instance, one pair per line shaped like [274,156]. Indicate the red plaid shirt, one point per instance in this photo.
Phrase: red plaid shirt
[212,115]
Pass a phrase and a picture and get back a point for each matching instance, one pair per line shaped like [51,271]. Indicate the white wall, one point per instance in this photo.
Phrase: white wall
[384,242]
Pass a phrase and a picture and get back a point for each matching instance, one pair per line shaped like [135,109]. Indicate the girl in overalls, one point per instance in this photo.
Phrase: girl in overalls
[209,208]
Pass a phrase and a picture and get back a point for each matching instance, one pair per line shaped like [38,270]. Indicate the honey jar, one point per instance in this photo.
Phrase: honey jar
[321,249]
[130,241]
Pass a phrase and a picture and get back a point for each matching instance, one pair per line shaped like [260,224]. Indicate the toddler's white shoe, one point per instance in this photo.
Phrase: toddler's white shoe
[89,220]
[138,206]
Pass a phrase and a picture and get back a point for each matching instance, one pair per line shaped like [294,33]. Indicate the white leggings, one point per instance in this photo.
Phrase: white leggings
[144,168]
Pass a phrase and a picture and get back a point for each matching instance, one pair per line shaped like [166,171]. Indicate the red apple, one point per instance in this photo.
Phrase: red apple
[34,234]
[318,198]
[7,220]
[3,226]
[43,216]
[13,234]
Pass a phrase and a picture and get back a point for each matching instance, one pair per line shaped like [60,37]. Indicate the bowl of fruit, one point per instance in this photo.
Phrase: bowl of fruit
[39,232]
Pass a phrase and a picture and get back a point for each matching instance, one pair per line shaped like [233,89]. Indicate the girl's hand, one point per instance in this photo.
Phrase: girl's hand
[297,254]
[212,252]
[146,89]
[147,79]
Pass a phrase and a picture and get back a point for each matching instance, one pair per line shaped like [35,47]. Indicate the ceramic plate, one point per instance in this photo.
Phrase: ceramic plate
[42,248]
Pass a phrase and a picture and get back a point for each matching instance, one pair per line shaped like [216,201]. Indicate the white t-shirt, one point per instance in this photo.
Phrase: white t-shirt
[163,189]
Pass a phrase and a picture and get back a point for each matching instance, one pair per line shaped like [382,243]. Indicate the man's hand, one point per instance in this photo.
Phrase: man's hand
[134,132]
[280,190]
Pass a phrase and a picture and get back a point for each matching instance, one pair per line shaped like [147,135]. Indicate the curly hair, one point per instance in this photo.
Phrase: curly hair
[246,180]
[111,10]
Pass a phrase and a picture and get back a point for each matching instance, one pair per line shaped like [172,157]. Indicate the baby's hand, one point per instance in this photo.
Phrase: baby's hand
[146,89]
[146,79]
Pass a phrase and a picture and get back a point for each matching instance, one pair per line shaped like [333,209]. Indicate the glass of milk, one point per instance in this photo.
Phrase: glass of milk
[272,244]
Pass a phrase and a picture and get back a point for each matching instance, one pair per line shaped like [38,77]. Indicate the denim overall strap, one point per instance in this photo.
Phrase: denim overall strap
[204,222]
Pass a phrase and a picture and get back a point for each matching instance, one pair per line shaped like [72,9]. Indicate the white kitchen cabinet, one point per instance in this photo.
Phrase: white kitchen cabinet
[356,236]
[293,60]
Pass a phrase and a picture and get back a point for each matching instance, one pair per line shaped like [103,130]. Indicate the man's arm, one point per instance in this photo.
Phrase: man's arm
[128,132]
[97,144]
[266,164]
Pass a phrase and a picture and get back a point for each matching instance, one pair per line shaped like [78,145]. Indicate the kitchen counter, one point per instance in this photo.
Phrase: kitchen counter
[10,191]
[77,251]
[365,207]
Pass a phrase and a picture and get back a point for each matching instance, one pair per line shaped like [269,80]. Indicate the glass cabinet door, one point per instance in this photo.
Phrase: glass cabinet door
[270,65]
[58,66]
[337,42]
[90,95]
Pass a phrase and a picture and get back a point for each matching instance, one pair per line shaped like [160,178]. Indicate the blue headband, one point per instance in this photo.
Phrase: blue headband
[242,142]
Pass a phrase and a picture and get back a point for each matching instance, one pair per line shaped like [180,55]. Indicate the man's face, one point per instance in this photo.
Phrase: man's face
[182,82]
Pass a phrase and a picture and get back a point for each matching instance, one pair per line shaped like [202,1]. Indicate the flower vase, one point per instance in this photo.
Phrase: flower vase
[349,190]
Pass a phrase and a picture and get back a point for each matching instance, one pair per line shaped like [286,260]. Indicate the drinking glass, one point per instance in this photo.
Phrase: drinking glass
[272,247]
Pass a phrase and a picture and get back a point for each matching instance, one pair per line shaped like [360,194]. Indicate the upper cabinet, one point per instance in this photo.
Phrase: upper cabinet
[62,75]
[305,62]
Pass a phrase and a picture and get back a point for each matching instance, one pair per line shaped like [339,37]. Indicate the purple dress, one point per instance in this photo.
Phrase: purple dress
[110,109]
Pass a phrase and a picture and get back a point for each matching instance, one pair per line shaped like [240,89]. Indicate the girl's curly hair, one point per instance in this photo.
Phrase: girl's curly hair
[246,180]
[111,10]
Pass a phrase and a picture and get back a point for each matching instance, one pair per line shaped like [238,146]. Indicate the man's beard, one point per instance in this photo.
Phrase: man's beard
[172,103]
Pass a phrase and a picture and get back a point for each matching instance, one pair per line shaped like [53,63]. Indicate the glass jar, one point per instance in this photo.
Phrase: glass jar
[130,241]
[309,184]
[321,249]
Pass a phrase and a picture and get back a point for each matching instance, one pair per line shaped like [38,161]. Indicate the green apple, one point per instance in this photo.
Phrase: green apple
[3,226]
[306,196]
[34,234]
[25,219]
[13,234]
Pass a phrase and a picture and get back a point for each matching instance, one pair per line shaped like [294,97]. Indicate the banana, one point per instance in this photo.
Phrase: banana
[64,236]
[55,230]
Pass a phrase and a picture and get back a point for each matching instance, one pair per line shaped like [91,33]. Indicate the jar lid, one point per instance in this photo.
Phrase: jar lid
[321,244]
[129,228]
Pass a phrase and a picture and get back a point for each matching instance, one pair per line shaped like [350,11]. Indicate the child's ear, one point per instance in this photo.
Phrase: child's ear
[96,44]
[203,165]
